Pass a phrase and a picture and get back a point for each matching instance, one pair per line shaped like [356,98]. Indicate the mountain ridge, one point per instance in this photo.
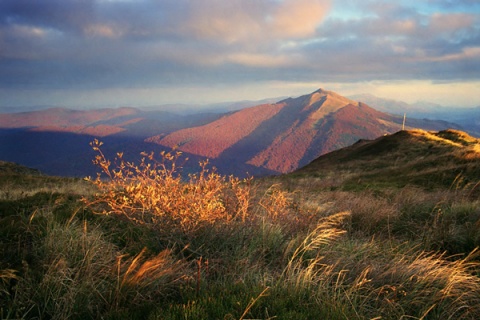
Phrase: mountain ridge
[467,117]
[288,134]
[265,139]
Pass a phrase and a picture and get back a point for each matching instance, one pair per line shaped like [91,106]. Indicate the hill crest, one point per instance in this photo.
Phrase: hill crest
[419,157]
[11,168]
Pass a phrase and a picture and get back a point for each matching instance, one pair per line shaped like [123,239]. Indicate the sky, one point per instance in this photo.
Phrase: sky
[98,53]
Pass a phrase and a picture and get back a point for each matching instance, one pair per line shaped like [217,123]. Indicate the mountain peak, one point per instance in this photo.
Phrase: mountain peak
[322,91]
[323,102]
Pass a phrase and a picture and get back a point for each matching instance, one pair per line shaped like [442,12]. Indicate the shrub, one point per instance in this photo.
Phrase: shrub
[154,193]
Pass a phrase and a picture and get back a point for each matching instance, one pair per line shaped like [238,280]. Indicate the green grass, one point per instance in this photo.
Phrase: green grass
[289,247]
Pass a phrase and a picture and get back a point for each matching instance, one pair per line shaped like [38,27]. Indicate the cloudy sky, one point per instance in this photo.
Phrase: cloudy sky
[87,53]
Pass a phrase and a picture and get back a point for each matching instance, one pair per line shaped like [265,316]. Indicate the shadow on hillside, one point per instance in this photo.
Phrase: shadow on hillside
[69,154]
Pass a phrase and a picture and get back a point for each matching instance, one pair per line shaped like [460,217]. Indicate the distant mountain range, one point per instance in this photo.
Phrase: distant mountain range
[177,108]
[468,118]
[56,140]
[399,107]
[269,138]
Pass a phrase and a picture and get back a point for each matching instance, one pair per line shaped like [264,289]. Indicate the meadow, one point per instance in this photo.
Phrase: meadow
[141,242]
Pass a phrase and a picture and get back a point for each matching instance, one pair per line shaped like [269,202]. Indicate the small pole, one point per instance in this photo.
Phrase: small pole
[403,125]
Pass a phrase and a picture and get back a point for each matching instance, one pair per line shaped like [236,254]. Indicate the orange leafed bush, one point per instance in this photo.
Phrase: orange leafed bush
[153,192]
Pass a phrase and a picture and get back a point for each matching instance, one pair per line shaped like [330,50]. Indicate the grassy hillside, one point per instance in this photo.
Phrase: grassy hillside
[444,159]
[142,243]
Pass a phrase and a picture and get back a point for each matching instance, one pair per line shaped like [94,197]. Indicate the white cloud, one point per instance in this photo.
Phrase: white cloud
[260,60]
[247,21]
[450,22]
[300,18]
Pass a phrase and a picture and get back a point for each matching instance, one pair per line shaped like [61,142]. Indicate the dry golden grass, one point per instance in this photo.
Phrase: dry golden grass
[141,272]
[302,267]
[18,187]
[429,285]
